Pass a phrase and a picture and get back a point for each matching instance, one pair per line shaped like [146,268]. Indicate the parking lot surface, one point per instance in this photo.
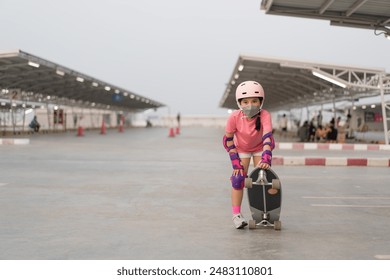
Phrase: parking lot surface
[143,195]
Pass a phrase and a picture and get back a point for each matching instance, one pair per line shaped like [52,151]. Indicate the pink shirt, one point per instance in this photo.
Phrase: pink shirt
[246,138]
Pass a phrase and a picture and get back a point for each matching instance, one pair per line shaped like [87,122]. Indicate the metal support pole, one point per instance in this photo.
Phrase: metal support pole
[24,118]
[308,113]
[48,116]
[384,114]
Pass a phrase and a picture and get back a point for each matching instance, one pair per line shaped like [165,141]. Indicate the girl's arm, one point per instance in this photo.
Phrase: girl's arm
[267,141]
[268,145]
[234,157]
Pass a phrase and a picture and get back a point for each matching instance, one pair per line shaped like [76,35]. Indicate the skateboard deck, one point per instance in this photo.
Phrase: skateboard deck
[265,198]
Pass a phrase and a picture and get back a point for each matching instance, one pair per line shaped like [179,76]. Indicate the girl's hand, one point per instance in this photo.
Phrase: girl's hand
[238,171]
[266,159]
[263,165]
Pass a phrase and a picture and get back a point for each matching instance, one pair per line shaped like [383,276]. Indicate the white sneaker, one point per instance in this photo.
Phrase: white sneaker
[239,221]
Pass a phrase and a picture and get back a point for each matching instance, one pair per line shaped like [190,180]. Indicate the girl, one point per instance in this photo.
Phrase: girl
[248,135]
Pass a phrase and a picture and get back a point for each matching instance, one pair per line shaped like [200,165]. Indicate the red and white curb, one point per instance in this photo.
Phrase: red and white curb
[332,146]
[331,161]
[14,141]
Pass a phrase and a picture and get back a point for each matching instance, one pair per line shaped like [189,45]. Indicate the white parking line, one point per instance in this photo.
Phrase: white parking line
[350,205]
[347,197]
[382,257]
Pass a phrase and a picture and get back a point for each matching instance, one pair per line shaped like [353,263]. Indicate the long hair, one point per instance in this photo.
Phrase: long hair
[258,123]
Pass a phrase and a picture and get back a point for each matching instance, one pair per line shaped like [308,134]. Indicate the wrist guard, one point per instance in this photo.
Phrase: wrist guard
[266,157]
[236,162]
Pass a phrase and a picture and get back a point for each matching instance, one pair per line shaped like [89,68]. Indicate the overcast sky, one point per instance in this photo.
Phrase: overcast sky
[180,53]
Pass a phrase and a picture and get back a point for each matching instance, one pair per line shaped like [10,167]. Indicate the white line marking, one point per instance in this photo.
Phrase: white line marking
[350,205]
[346,197]
[382,257]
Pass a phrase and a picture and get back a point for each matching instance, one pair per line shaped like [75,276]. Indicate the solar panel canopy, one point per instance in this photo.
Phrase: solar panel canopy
[292,84]
[368,14]
[27,79]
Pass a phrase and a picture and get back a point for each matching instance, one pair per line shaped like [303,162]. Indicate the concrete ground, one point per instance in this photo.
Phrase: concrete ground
[143,195]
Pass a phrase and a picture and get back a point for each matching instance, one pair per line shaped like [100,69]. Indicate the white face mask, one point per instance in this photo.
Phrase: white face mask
[250,111]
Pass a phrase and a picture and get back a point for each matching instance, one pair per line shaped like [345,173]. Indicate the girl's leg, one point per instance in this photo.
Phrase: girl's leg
[237,195]
[256,160]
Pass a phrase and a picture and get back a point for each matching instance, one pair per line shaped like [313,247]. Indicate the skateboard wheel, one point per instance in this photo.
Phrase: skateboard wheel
[248,182]
[252,224]
[277,225]
[276,184]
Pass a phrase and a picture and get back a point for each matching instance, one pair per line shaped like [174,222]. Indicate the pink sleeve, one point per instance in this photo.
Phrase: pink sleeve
[266,121]
[231,124]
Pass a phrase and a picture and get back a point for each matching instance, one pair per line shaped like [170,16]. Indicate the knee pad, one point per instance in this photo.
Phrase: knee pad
[238,181]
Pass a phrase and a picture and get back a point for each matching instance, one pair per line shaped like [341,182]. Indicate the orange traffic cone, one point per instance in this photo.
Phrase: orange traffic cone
[171,132]
[177,130]
[103,129]
[80,131]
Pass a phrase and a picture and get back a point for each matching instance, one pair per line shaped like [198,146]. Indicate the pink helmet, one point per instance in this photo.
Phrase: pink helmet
[249,89]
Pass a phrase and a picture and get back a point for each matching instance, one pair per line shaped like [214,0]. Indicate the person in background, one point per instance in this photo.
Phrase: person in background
[178,119]
[283,125]
[331,136]
[320,134]
[303,132]
[34,124]
[312,132]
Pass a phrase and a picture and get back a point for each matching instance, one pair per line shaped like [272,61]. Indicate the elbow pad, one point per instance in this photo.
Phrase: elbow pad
[271,143]
[225,140]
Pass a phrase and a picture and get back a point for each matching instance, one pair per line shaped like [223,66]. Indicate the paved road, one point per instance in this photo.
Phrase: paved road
[143,195]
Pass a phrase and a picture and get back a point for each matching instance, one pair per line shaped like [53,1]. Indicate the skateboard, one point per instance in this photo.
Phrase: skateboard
[265,198]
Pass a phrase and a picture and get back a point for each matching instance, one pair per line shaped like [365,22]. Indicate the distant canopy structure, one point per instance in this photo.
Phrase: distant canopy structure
[296,84]
[365,14]
[25,78]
